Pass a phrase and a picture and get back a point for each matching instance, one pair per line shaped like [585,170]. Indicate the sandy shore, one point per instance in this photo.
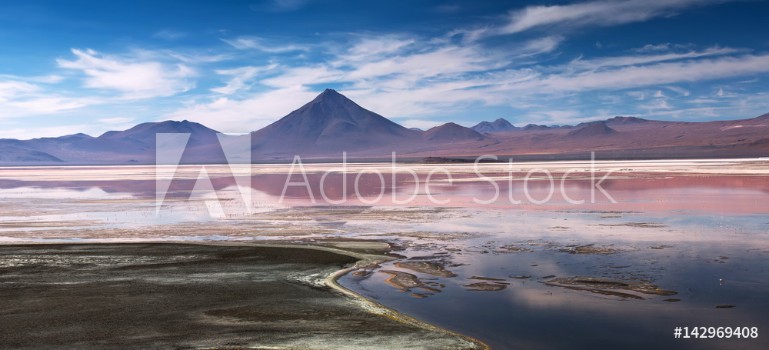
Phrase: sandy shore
[172,295]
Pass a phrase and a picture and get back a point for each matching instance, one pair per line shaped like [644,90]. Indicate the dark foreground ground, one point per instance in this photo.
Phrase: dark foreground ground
[145,296]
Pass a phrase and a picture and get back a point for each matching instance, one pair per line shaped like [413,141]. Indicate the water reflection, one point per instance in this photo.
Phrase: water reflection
[531,314]
[702,235]
[623,191]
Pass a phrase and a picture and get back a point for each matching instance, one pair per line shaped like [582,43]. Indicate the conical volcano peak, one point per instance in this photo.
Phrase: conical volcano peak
[331,122]
[329,94]
[332,100]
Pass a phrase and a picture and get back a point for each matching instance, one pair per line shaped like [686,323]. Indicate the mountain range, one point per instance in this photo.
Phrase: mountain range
[331,124]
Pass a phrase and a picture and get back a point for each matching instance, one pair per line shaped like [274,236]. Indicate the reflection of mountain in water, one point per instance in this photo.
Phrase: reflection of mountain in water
[736,193]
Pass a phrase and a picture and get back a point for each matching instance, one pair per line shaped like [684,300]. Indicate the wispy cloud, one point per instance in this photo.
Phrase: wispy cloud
[412,78]
[377,48]
[38,105]
[420,77]
[644,59]
[13,89]
[681,91]
[540,46]
[245,114]
[241,78]
[600,13]
[304,76]
[40,79]
[133,78]
[652,48]
[22,98]
[634,76]
[254,43]
[195,58]
[658,102]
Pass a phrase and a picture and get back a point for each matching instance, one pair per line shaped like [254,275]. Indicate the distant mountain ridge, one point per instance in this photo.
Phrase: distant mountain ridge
[135,145]
[145,133]
[499,125]
[451,132]
[592,129]
[331,124]
[12,154]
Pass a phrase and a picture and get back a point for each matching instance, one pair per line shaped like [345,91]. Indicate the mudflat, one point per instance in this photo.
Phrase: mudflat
[169,295]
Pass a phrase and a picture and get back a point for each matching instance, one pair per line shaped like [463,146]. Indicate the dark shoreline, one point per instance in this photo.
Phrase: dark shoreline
[173,295]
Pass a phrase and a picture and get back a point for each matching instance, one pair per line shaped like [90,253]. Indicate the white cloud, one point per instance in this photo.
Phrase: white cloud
[47,79]
[653,47]
[642,59]
[427,100]
[638,95]
[721,93]
[197,58]
[377,48]
[304,75]
[595,13]
[253,43]
[45,105]
[134,79]
[12,89]
[679,90]
[471,35]
[21,98]
[396,84]
[656,104]
[246,114]
[649,75]
[440,62]
[41,79]
[241,78]
[540,46]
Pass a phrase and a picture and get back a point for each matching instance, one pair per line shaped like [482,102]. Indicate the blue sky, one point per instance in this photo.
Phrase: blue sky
[236,66]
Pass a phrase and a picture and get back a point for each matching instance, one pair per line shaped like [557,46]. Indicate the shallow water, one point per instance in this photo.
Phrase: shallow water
[530,314]
[689,227]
